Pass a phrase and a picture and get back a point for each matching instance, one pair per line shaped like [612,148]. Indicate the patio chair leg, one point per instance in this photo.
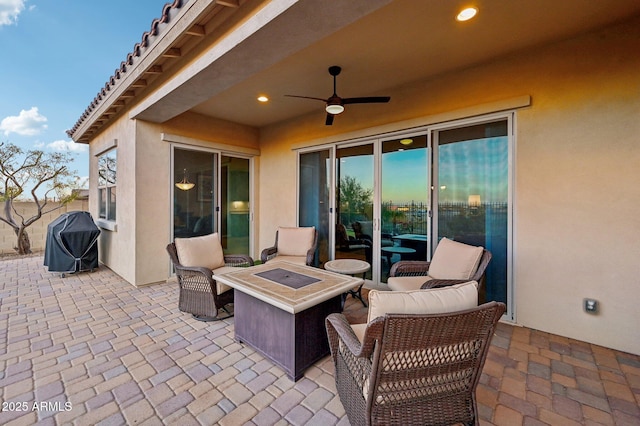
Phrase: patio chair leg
[357,294]
[206,318]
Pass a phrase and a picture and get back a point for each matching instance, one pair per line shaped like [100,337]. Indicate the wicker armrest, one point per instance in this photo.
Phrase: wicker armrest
[338,329]
[268,253]
[311,254]
[441,283]
[181,270]
[405,268]
[238,260]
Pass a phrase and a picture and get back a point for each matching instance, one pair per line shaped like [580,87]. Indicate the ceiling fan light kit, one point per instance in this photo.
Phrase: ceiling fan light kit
[335,104]
[334,109]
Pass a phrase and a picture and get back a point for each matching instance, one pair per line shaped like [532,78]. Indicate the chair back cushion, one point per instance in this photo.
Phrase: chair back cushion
[295,241]
[431,301]
[342,238]
[363,227]
[454,261]
[205,251]
[300,260]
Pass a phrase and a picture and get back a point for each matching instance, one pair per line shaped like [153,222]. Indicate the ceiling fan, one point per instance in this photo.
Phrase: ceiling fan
[335,104]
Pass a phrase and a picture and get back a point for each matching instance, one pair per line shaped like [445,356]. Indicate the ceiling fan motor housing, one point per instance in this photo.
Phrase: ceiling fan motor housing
[335,104]
[334,70]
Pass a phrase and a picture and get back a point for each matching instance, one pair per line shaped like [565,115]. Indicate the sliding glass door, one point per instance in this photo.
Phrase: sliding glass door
[194,194]
[473,202]
[354,195]
[404,201]
[234,204]
[389,199]
[212,194]
[314,202]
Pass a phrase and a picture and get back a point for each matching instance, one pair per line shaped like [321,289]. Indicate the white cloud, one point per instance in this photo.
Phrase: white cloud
[28,123]
[69,146]
[9,11]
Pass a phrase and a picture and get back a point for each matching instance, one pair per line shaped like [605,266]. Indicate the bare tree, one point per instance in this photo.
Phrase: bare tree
[33,171]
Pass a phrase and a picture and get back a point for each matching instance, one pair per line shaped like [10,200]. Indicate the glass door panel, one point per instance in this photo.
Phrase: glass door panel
[473,195]
[314,201]
[354,221]
[404,201]
[234,204]
[194,197]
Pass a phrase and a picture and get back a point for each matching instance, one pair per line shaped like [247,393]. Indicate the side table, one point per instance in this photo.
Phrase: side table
[350,267]
[402,251]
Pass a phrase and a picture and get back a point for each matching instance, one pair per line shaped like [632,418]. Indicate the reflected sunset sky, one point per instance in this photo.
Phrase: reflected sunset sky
[474,167]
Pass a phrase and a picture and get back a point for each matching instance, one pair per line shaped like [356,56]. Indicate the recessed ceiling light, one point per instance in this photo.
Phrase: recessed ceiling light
[467,14]
[406,141]
[263,98]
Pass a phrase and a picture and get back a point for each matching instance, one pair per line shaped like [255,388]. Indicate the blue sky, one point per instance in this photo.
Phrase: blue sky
[56,55]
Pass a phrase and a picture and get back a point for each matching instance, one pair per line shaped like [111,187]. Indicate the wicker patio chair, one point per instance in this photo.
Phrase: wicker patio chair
[346,243]
[412,369]
[200,294]
[296,245]
[418,271]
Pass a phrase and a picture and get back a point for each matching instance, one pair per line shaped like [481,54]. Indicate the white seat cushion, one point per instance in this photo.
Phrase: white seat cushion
[295,241]
[454,261]
[366,227]
[407,283]
[359,330]
[205,251]
[220,287]
[431,301]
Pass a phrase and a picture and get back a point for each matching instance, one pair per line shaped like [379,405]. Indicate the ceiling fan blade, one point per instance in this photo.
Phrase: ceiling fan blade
[329,120]
[306,97]
[366,100]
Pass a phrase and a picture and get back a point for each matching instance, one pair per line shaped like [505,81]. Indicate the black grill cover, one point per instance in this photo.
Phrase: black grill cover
[72,243]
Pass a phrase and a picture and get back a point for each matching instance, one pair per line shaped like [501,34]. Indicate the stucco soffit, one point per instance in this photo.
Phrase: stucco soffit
[275,32]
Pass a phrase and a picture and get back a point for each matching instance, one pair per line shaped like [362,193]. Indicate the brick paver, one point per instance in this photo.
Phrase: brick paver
[92,349]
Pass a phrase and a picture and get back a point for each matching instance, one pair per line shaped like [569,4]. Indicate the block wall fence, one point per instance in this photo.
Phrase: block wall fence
[38,230]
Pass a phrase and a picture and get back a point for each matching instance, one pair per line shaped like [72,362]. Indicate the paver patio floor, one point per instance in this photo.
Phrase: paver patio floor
[92,349]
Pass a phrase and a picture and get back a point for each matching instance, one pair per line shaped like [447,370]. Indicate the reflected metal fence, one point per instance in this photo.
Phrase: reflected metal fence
[454,219]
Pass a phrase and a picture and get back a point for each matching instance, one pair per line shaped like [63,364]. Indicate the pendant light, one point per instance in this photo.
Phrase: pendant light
[184,184]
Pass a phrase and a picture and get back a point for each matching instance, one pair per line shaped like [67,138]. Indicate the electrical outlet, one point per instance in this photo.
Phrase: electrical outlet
[591,306]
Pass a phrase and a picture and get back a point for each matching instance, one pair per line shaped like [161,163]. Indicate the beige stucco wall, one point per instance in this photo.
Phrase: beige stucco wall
[153,204]
[577,231]
[277,194]
[116,247]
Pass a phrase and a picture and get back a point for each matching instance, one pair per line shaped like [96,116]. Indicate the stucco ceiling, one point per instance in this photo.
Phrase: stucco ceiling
[396,44]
